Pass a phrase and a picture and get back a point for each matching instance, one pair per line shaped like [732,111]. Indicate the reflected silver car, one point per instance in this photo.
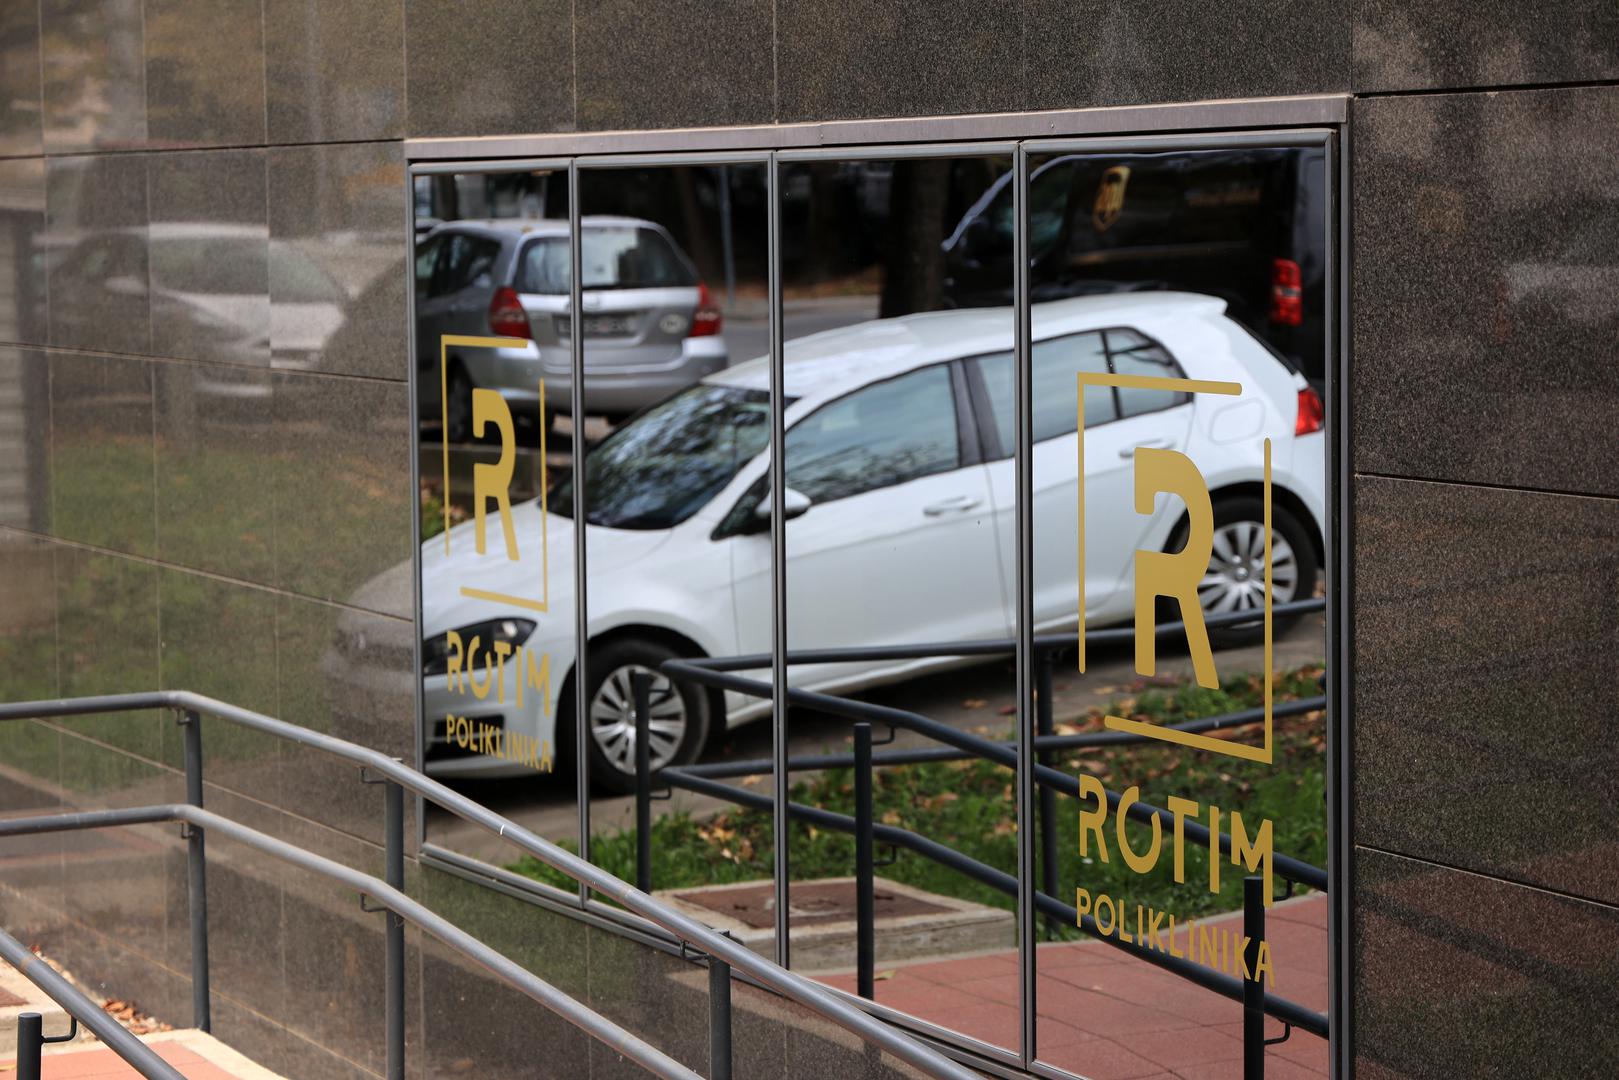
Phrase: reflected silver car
[650,326]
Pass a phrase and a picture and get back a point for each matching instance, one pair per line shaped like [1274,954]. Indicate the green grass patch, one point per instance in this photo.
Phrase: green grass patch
[970,806]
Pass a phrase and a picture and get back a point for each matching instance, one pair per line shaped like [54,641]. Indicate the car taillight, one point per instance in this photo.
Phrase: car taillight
[1286,293]
[1310,412]
[506,315]
[705,321]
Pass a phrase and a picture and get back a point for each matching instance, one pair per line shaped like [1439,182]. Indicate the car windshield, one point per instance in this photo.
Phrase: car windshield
[613,257]
[665,465]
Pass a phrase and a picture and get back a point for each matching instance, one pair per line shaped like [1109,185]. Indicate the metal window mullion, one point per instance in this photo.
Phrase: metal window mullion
[581,680]
[778,561]
[1340,614]
[1023,466]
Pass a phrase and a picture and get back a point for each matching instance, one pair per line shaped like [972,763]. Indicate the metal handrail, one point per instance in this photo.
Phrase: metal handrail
[1001,753]
[593,1023]
[720,673]
[790,985]
[81,1008]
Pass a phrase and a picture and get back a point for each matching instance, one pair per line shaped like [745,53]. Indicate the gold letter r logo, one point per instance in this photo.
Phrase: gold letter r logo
[1177,575]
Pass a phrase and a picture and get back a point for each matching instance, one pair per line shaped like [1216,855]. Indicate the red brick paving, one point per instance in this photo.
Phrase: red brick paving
[1107,1016]
[103,1064]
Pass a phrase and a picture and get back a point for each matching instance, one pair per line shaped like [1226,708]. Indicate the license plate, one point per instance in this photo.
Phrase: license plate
[599,325]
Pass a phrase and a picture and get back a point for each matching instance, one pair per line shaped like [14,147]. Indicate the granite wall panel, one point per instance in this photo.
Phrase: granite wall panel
[1456,44]
[1486,272]
[93,74]
[1458,974]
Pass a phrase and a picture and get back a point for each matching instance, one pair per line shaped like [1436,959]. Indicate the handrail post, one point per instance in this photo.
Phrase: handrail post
[1044,725]
[1253,991]
[197,877]
[393,827]
[30,1037]
[641,691]
[719,1019]
[865,889]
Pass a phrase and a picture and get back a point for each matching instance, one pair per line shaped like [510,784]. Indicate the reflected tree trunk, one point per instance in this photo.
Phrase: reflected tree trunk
[913,270]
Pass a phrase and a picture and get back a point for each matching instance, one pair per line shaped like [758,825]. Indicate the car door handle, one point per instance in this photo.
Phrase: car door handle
[955,505]
[1145,444]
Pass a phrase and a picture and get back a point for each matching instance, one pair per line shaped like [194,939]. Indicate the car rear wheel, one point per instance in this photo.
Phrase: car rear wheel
[679,713]
[1235,580]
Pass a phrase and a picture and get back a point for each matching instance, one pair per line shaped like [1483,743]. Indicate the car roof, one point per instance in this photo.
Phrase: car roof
[538,226]
[837,361]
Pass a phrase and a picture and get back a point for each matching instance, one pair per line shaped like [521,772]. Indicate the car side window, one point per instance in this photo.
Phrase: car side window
[1133,353]
[1056,409]
[467,258]
[885,434]
[427,257]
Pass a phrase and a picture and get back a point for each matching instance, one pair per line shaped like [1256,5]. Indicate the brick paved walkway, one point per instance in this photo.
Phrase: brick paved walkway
[1107,1016]
[197,1056]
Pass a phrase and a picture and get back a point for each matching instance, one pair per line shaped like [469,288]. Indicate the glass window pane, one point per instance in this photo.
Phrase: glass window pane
[1169,258]
[902,546]
[497,600]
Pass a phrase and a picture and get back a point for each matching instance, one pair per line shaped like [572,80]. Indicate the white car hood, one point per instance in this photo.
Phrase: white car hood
[444,607]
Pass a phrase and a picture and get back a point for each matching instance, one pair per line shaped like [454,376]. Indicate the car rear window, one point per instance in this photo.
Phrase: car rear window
[613,257]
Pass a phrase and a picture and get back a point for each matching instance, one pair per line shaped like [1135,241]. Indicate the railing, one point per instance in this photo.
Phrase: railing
[722,953]
[718,673]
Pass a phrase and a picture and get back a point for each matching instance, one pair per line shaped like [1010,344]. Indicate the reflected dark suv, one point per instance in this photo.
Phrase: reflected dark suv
[1246,225]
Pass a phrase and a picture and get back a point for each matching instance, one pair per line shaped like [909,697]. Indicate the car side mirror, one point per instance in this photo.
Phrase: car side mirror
[796,504]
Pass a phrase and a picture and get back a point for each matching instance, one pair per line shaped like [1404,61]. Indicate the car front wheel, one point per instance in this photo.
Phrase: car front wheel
[679,713]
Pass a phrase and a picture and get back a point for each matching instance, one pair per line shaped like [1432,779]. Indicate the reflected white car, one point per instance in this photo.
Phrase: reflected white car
[900,497]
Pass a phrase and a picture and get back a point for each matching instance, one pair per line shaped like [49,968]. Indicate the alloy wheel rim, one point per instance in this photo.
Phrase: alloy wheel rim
[612,718]
[1235,580]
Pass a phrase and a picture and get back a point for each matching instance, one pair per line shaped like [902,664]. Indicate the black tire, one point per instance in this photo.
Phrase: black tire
[1230,514]
[612,761]
[458,405]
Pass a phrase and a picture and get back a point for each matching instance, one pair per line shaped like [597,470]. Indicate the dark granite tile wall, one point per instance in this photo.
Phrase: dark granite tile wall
[102,473]
[1463,975]
[219,640]
[1485,311]
[631,55]
[93,68]
[342,501]
[337,273]
[95,219]
[205,73]
[22,128]
[107,643]
[522,55]
[210,249]
[1483,728]
[1099,53]
[23,315]
[1453,43]
[883,59]
[25,474]
[335,70]
[346,673]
